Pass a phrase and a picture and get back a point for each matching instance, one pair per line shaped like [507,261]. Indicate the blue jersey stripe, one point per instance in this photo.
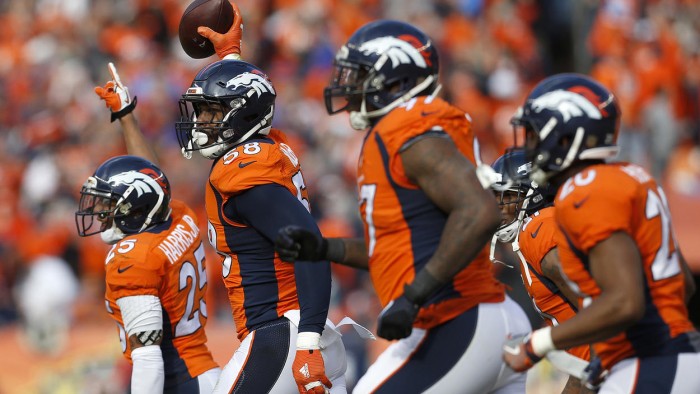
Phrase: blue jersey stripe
[425,222]
[257,269]
[552,287]
[174,366]
[649,336]
[258,275]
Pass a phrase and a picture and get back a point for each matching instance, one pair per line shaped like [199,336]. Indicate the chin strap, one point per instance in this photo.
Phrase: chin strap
[492,253]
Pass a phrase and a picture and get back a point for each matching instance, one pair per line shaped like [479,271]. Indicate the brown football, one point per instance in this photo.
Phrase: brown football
[214,14]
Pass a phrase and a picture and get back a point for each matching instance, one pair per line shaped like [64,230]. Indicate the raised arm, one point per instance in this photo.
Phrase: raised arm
[116,97]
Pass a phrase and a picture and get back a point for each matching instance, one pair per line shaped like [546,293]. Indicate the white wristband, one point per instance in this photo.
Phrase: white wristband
[233,56]
[308,340]
[541,341]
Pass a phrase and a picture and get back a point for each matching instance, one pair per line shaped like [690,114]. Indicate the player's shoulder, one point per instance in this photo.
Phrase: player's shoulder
[143,248]
[539,222]
[180,210]
[241,157]
[418,116]
[601,182]
[265,150]
[417,113]
[131,260]
[543,215]
[260,160]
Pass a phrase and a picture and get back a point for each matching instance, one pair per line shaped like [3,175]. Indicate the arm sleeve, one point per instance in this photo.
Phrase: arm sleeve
[148,374]
[269,207]
[141,314]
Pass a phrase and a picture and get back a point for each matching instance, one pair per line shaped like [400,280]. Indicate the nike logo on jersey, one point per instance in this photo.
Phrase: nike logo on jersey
[577,204]
[243,165]
[534,234]
[122,269]
[423,113]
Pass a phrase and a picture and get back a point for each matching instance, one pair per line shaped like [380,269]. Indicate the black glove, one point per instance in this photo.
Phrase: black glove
[594,374]
[396,320]
[296,243]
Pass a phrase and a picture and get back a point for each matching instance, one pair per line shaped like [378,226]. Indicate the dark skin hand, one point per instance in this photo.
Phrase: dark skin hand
[621,302]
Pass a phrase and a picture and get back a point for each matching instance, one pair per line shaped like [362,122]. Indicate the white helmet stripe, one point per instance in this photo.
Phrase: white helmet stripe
[573,151]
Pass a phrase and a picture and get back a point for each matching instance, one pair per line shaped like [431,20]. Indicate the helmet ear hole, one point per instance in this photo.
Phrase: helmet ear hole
[591,141]
[565,141]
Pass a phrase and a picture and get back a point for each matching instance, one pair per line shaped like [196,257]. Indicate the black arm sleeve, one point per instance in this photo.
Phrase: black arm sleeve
[267,208]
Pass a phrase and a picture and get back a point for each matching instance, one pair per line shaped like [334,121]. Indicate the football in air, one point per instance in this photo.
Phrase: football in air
[214,14]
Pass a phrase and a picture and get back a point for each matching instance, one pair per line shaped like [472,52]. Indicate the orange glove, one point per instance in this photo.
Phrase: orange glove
[227,45]
[116,95]
[308,368]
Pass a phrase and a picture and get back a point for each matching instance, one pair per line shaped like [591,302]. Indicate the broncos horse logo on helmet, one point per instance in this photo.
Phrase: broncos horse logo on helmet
[259,83]
[229,102]
[384,64]
[568,118]
[127,194]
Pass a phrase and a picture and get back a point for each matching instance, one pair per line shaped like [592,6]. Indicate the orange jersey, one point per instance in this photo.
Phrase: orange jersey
[402,226]
[167,262]
[607,198]
[537,238]
[261,287]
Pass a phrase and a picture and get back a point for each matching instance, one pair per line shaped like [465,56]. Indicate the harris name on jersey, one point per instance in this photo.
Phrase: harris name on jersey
[180,239]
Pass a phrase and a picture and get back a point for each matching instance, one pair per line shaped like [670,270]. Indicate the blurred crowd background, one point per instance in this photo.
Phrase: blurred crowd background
[54,131]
